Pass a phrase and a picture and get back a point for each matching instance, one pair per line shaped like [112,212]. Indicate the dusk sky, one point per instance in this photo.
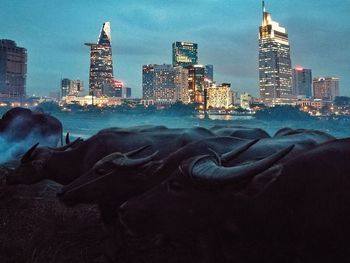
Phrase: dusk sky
[54,33]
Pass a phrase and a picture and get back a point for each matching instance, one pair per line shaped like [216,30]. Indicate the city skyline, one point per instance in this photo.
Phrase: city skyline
[143,34]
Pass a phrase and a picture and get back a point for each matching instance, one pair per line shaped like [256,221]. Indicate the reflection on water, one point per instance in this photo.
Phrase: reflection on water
[86,124]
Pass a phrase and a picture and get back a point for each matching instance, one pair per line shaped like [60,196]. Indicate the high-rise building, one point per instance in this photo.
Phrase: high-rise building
[209,72]
[165,84]
[185,54]
[220,96]
[275,75]
[302,82]
[101,64]
[196,83]
[326,88]
[13,70]
[71,87]
[148,81]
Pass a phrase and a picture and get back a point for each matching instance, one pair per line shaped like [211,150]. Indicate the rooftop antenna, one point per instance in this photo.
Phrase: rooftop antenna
[263,6]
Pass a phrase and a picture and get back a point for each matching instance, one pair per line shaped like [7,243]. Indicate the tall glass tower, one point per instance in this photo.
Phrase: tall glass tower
[275,74]
[101,65]
[185,54]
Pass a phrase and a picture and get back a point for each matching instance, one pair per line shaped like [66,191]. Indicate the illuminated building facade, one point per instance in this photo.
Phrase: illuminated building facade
[101,65]
[302,82]
[165,84]
[71,87]
[196,83]
[13,70]
[185,54]
[220,96]
[91,100]
[326,88]
[148,81]
[275,75]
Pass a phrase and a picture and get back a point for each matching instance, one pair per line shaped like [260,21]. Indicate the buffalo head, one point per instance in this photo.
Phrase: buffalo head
[190,199]
[115,176]
[32,166]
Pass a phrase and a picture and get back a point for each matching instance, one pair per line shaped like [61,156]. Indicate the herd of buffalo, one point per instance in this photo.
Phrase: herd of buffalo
[225,193]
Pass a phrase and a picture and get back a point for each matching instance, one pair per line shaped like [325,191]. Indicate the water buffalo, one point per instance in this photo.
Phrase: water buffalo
[302,205]
[65,166]
[108,179]
[19,123]
[118,177]
[240,132]
[302,139]
[20,128]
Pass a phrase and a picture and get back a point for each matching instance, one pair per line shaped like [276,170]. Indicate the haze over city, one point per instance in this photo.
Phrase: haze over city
[226,33]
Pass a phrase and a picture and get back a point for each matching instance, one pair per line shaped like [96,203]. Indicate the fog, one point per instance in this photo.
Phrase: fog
[84,124]
[15,140]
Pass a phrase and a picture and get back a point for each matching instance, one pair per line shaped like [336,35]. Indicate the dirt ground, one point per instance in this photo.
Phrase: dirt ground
[36,227]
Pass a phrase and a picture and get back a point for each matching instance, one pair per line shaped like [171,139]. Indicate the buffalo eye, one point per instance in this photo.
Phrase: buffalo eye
[175,186]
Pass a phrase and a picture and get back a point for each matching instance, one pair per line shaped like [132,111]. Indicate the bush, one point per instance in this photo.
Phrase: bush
[281,113]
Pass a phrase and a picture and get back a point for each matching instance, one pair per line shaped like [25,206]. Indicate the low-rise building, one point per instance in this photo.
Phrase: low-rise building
[220,96]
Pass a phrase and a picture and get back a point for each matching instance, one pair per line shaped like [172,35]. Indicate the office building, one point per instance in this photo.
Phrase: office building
[165,84]
[71,87]
[185,54]
[13,70]
[326,88]
[302,82]
[275,75]
[101,64]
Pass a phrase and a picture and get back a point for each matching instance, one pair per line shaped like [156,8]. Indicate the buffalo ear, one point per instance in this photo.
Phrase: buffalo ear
[38,164]
[261,182]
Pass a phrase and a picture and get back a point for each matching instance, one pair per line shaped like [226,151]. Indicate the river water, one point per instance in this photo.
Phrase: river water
[86,124]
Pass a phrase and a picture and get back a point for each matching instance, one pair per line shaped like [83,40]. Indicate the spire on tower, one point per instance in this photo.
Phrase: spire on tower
[263,6]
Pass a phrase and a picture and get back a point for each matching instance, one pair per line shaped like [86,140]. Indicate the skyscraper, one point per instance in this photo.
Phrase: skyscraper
[275,75]
[326,88]
[101,64]
[13,70]
[302,82]
[185,54]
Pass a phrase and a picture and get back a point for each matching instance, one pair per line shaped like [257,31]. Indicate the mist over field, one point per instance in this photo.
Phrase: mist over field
[84,125]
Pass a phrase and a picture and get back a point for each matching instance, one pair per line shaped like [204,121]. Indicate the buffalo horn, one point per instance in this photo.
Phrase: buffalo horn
[67,138]
[69,145]
[136,151]
[26,156]
[209,170]
[225,157]
[127,162]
